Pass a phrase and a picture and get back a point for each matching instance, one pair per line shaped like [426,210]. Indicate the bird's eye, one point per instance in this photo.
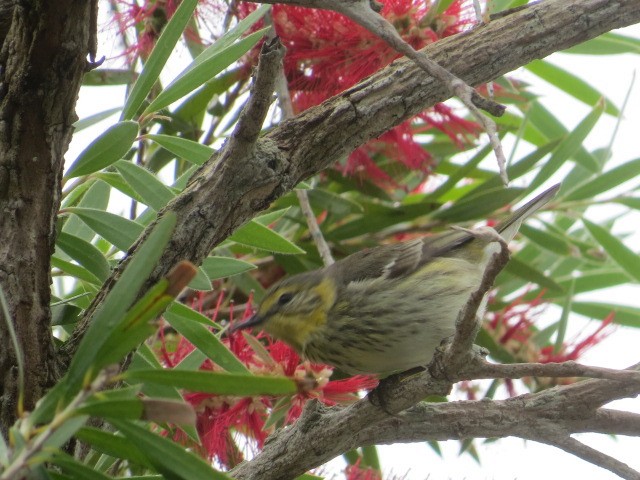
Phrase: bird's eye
[285,298]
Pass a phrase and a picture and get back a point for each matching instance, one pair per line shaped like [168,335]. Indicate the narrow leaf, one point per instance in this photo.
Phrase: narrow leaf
[180,318]
[118,301]
[223,267]
[215,382]
[74,270]
[152,191]
[111,444]
[105,150]
[626,259]
[531,274]
[623,314]
[605,181]
[159,56]
[115,229]
[184,148]
[569,146]
[199,73]
[478,206]
[95,118]
[608,44]
[570,84]
[564,318]
[256,235]
[85,253]
[168,458]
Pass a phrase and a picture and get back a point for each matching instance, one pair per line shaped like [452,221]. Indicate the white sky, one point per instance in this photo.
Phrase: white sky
[512,458]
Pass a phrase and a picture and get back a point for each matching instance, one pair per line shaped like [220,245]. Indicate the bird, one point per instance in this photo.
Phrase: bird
[385,309]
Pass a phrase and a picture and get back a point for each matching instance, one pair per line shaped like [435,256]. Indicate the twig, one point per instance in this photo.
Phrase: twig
[361,12]
[314,229]
[591,455]
[286,107]
[244,136]
[37,443]
[483,369]
[467,325]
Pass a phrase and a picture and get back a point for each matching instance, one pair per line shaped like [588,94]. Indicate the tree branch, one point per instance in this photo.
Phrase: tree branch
[44,46]
[240,187]
[483,369]
[591,455]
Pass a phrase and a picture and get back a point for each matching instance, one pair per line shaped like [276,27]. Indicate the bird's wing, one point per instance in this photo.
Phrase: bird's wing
[398,259]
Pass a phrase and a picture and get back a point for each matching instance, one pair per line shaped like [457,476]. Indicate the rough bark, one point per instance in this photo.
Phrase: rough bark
[43,59]
[233,187]
[550,417]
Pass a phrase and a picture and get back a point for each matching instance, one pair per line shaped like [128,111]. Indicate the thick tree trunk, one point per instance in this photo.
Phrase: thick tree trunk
[42,61]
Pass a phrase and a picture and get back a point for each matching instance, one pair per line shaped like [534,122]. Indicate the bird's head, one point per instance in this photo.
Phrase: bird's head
[294,308]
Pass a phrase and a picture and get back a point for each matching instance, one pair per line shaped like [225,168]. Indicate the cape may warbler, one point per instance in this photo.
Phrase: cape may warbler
[384,309]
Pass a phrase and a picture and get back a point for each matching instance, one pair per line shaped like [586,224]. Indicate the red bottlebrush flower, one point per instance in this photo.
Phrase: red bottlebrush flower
[142,22]
[327,53]
[576,347]
[514,329]
[218,417]
[356,472]
[148,18]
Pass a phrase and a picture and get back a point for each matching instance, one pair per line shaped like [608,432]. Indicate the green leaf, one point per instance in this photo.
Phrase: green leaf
[551,129]
[478,206]
[570,84]
[85,253]
[186,149]
[271,217]
[531,274]
[129,408]
[95,118]
[623,314]
[115,229]
[605,181]
[370,457]
[109,76]
[519,168]
[65,314]
[564,318]
[77,470]
[256,235]
[215,382]
[138,323]
[118,301]
[631,202]
[170,459]
[96,196]
[199,72]
[460,173]
[626,259]
[223,267]
[153,192]
[607,44]
[65,431]
[569,147]
[112,444]
[338,205]
[74,270]
[182,319]
[4,452]
[546,240]
[201,281]
[105,150]
[116,181]
[159,56]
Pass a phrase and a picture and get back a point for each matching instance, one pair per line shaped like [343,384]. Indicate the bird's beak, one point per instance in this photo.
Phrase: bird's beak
[251,322]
